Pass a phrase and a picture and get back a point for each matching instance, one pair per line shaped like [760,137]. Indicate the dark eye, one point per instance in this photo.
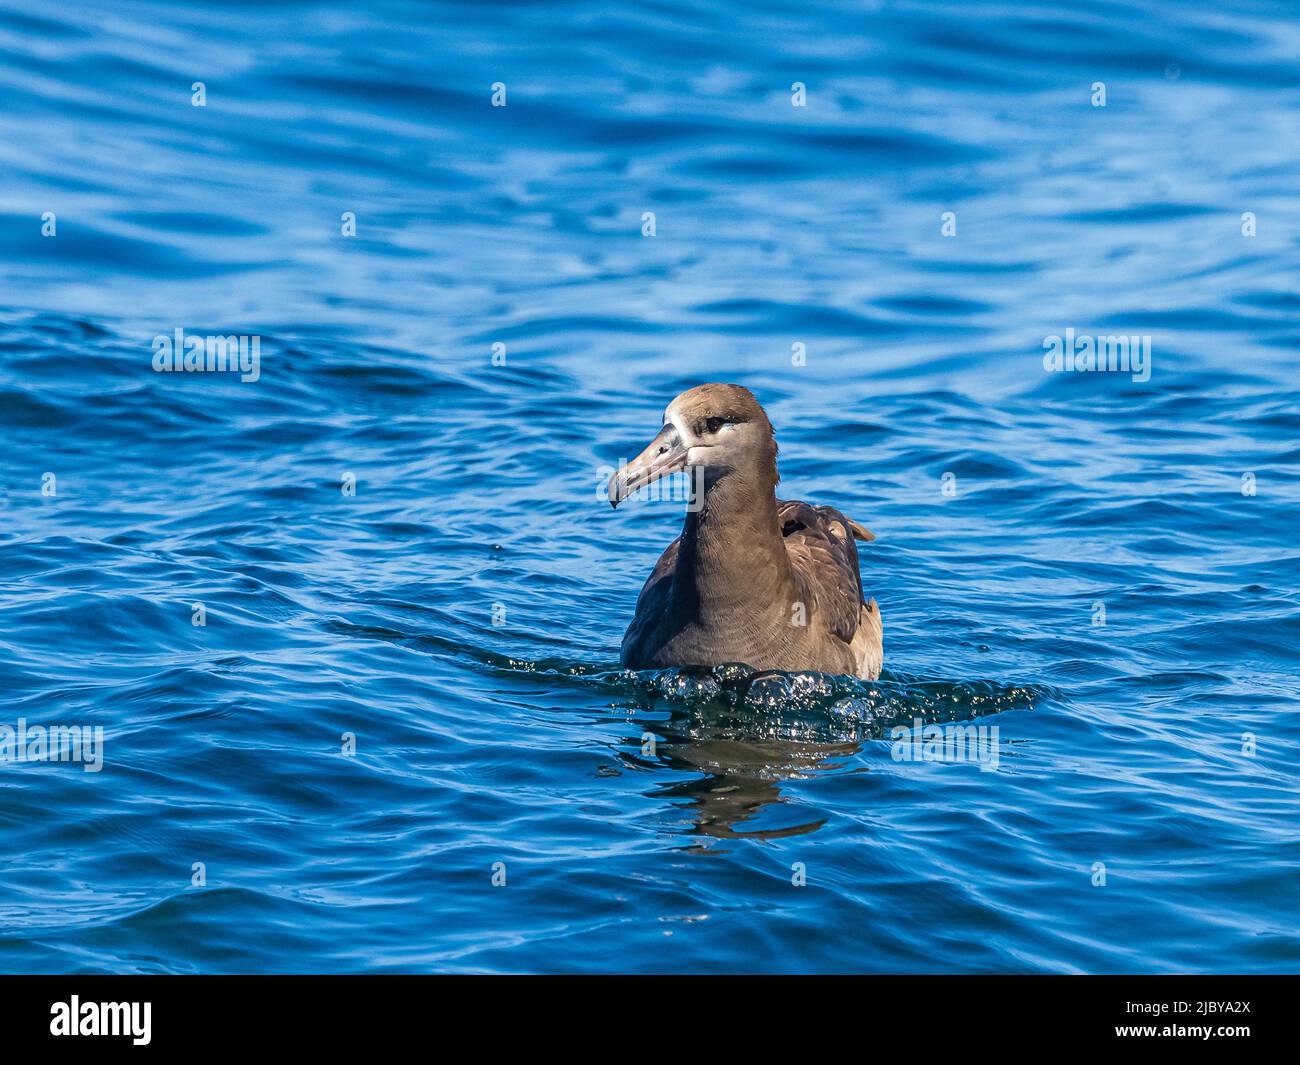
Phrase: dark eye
[715,424]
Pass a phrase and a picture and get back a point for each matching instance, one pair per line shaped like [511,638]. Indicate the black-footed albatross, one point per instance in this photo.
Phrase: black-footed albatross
[752,579]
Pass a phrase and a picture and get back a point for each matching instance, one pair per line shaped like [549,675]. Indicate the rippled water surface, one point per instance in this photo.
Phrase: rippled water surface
[1103,569]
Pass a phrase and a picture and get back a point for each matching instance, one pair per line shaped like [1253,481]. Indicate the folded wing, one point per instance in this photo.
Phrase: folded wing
[823,553]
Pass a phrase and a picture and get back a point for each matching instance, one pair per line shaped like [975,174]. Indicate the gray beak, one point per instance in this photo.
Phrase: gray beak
[665,455]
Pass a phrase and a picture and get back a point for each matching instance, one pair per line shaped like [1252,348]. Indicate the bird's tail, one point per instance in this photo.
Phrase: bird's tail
[860,532]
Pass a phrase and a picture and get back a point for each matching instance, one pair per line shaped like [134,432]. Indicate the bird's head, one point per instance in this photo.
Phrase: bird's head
[719,428]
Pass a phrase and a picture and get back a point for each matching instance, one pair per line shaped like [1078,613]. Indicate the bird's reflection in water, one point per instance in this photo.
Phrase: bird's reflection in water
[745,733]
[740,779]
[742,755]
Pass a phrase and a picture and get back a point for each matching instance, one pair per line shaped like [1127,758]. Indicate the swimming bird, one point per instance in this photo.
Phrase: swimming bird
[752,579]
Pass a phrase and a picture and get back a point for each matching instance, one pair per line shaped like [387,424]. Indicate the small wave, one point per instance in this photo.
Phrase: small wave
[803,702]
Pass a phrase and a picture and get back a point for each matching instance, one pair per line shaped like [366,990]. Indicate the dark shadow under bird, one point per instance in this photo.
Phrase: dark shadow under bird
[752,579]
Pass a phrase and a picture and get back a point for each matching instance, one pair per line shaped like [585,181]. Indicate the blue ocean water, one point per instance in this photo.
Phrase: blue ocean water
[395,533]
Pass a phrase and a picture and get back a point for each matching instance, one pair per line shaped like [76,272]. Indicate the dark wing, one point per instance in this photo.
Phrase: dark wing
[824,557]
[651,605]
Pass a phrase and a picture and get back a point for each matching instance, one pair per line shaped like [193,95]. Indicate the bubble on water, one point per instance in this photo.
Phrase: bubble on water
[812,685]
[852,709]
[769,691]
[687,686]
[732,675]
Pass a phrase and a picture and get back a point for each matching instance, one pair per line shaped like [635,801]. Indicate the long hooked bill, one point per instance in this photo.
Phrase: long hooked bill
[666,454]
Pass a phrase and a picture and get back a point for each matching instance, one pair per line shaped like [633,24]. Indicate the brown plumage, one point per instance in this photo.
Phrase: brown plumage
[751,579]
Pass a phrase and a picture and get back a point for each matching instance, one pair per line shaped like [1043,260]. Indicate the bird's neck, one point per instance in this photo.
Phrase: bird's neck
[732,558]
